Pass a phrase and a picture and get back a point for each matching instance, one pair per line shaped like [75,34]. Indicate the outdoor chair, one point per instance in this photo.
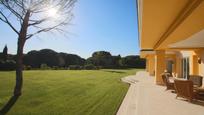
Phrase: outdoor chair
[184,89]
[169,85]
[197,80]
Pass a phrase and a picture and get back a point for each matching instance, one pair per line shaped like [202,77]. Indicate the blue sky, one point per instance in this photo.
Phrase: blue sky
[108,25]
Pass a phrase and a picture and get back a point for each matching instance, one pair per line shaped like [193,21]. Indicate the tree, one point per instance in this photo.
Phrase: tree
[133,62]
[5,53]
[33,17]
[101,54]
[116,61]
[51,58]
[101,58]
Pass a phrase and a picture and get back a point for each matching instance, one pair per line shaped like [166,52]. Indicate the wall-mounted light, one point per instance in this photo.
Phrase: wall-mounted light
[199,60]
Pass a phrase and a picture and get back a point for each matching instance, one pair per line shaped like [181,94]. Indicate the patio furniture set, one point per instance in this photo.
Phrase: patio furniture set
[190,89]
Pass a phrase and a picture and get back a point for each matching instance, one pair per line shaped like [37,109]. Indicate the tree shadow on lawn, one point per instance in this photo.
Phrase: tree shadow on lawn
[9,105]
[112,71]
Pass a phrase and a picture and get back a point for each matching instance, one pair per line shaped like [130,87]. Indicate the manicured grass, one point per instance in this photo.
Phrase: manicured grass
[66,92]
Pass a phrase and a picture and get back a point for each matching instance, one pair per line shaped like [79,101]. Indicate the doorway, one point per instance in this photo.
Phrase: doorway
[185,67]
[169,66]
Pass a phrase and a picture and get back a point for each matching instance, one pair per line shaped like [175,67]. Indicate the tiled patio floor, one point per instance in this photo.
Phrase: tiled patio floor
[146,98]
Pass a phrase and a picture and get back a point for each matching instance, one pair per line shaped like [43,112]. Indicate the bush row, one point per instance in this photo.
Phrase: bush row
[71,67]
[7,65]
[10,65]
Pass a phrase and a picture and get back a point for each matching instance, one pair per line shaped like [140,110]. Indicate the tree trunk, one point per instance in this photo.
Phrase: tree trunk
[19,61]
[19,66]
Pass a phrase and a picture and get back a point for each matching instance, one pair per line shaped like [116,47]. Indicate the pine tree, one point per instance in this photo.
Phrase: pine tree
[5,53]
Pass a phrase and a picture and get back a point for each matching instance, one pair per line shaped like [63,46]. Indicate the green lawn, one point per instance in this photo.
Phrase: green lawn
[66,92]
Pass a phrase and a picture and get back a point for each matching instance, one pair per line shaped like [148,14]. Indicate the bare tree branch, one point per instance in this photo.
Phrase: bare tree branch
[5,20]
[39,18]
[45,30]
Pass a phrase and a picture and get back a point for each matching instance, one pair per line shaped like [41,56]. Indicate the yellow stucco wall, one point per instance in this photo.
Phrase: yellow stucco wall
[160,66]
[156,63]
[151,64]
[200,54]
[201,66]
[194,67]
[178,63]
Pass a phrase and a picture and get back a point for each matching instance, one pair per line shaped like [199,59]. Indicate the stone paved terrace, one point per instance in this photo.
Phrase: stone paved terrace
[146,98]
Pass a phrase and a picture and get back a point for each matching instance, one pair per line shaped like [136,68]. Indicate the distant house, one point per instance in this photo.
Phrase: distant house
[171,35]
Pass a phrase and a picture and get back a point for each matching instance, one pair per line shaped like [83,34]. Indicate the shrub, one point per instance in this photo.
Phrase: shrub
[99,67]
[8,65]
[55,67]
[75,67]
[90,67]
[44,67]
[27,67]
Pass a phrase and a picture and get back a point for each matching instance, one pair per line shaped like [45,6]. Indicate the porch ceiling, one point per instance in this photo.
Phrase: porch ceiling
[189,29]
[194,42]
[163,22]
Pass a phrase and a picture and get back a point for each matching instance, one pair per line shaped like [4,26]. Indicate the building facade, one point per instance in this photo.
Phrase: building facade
[171,35]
